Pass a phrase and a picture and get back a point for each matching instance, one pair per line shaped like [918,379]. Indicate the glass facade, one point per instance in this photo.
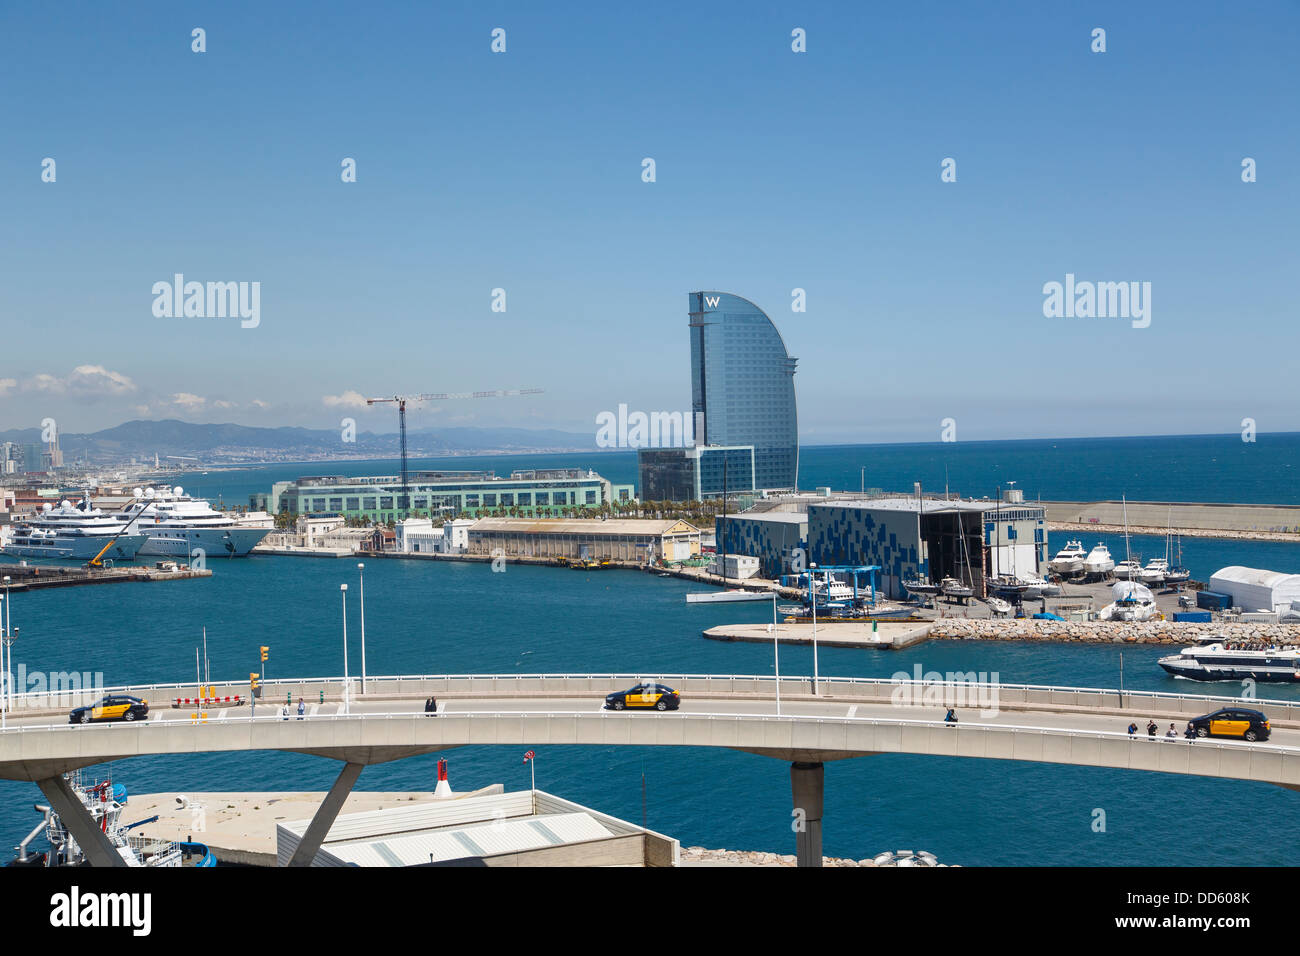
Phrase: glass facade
[742,385]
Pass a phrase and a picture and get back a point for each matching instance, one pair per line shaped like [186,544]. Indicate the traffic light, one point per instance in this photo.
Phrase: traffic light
[266,652]
[252,680]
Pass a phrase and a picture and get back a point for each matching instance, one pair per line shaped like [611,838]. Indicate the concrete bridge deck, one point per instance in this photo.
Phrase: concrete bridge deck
[845,718]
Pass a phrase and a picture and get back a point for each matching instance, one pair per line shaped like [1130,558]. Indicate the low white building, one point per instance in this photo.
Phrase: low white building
[455,535]
[1255,589]
[419,536]
[738,566]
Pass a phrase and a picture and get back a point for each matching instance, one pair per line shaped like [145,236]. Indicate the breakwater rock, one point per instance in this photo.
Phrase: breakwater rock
[1109,632]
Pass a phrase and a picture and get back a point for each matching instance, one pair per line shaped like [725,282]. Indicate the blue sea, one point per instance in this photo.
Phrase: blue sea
[446,617]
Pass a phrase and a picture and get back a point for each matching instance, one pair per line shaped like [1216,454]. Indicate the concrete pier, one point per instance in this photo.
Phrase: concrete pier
[887,636]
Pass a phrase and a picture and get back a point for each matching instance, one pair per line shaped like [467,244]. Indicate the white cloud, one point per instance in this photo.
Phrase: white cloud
[348,399]
[222,403]
[84,381]
[258,403]
[187,400]
[6,384]
[97,380]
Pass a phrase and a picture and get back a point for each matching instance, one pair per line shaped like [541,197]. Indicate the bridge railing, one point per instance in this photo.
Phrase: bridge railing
[526,685]
[168,728]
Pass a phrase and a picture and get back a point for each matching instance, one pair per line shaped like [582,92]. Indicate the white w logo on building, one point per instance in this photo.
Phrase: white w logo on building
[712,301]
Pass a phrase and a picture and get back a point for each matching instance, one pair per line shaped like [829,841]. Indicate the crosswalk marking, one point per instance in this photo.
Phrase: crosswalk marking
[222,714]
[853,710]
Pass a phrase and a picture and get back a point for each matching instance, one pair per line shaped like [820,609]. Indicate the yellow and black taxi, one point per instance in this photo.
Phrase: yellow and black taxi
[112,707]
[644,697]
[1232,722]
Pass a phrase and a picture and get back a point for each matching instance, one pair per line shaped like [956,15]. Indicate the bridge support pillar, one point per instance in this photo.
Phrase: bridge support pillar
[94,842]
[325,816]
[807,782]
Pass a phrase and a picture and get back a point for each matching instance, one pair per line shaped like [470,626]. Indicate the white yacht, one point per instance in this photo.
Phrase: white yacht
[1099,561]
[1069,560]
[73,531]
[176,525]
[1221,659]
[1133,602]
[1154,572]
[1128,570]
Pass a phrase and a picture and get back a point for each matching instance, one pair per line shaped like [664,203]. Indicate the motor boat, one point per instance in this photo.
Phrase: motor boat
[1154,572]
[1069,560]
[921,586]
[1128,570]
[176,524]
[953,588]
[1133,602]
[1222,659]
[1099,562]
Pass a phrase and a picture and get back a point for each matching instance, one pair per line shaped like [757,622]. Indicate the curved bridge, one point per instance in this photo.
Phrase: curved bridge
[845,718]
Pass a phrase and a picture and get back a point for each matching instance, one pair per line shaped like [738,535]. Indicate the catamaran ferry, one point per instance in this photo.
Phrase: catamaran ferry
[1219,659]
[174,524]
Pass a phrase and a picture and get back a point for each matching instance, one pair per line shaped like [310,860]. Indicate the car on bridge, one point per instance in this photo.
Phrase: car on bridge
[112,707]
[644,697]
[1232,722]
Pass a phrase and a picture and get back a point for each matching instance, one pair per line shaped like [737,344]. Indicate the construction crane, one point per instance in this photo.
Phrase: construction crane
[401,400]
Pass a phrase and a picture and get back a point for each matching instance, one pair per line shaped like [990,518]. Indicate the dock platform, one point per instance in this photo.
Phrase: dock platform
[888,635]
[30,577]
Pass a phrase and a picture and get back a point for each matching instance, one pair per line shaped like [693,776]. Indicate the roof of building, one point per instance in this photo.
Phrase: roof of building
[928,505]
[783,517]
[592,526]
[1255,577]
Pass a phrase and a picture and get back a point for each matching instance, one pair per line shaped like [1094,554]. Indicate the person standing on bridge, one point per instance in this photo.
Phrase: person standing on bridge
[1132,729]
[302,708]
[951,716]
[1171,732]
[284,712]
[1151,728]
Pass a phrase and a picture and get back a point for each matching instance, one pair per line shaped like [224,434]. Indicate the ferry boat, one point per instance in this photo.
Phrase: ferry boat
[1220,659]
[1069,560]
[175,525]
[105,802]
[73,531]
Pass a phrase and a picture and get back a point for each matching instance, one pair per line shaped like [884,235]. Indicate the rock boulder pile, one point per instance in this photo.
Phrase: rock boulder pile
[1108,632]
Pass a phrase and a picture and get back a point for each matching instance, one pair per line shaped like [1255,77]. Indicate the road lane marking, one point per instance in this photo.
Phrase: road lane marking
[853,710]
[222,714]
[314,708]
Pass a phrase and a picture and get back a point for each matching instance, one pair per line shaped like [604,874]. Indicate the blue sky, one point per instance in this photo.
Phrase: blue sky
[775,171]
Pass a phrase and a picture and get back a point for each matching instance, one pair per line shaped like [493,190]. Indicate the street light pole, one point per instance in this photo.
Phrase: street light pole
[813,579]
[343,589]
[776,656]
[6,655]
[361,573]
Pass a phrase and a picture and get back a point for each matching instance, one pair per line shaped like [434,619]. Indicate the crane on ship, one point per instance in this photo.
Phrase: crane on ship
[401,400]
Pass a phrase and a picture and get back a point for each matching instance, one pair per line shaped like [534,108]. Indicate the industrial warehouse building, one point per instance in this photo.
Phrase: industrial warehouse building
[1254,589]
[910,536]
[588,539]
[905,535]
[776,538]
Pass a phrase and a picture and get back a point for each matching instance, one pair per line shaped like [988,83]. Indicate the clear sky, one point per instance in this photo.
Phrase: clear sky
[775,170]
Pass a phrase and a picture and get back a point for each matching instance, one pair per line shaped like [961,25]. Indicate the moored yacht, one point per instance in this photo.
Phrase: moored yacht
[1099,561]
[176,524]
[73,531]
[1228,660]
[1069,560]
[1128,570]
[1154,572]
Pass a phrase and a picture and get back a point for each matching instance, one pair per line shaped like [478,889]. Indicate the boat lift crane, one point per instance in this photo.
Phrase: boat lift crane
[401,400]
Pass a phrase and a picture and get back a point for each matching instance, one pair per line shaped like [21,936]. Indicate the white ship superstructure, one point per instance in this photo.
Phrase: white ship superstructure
[177,525]
[74,531]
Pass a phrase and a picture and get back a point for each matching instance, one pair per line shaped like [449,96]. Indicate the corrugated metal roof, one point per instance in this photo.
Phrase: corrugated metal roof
[486,839]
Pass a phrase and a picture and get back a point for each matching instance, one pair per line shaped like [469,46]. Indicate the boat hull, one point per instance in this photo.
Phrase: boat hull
[83,548]
[213,542]
[1242,672]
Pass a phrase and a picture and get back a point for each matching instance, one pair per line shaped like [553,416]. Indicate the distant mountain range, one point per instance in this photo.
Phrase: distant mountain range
[218,443]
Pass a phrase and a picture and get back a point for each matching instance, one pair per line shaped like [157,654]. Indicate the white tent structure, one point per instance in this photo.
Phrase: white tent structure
[1254,589]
